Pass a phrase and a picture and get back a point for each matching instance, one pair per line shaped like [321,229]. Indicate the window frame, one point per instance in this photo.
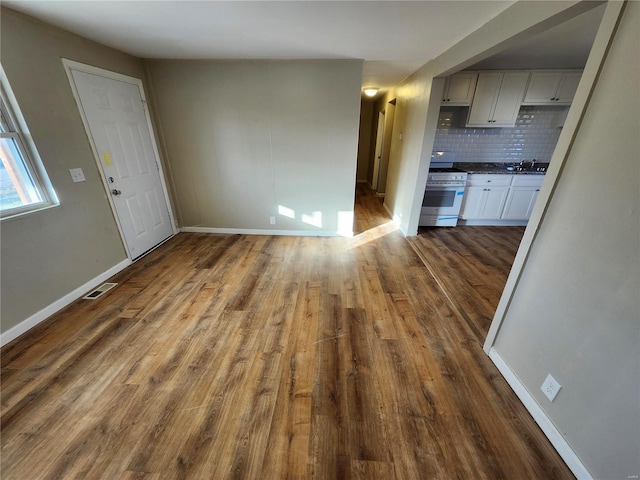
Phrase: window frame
[13,126]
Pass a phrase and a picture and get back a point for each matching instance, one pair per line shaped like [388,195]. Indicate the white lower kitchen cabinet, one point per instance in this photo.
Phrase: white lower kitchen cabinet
[483,203]
[520,202]
[499,199]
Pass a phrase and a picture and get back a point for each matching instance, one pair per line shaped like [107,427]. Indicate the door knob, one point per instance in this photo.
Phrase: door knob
[116,192]
[111,180]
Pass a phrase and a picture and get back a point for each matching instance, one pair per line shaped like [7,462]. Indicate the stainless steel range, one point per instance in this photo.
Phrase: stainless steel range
[443,196]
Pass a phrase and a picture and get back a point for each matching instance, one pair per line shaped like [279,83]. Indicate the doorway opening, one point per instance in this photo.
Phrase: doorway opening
[472,263]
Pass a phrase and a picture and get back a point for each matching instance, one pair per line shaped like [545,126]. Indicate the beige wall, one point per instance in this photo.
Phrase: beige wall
[245,138]
[405,159]
[365,153]
[48,254]
[576,310]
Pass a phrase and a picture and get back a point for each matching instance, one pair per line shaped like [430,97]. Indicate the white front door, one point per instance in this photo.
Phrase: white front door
[116,120]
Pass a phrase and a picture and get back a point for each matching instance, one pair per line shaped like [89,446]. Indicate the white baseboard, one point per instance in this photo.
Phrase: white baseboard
[59,304]
[386,209]
[539,415]
[259,231]
[380,195]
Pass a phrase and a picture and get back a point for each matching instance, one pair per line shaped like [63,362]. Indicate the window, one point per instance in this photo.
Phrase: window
[24,185]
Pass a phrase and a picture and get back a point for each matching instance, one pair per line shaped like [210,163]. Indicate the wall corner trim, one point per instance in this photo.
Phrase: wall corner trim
[59,304]
[544,422]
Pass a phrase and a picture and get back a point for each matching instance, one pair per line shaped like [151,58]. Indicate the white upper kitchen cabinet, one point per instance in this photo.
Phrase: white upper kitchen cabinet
[497,99]
[459,88]
[552,87]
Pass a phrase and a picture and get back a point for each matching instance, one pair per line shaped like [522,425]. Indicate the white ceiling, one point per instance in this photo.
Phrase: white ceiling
[394,38]
[564,46]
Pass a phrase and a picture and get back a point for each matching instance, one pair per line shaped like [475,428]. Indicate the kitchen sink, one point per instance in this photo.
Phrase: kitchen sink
[522,168]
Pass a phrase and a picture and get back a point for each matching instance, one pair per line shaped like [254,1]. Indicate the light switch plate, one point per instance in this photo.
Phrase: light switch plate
[77,175]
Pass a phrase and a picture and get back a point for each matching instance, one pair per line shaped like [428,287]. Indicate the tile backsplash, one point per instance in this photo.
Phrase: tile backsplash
[534,136]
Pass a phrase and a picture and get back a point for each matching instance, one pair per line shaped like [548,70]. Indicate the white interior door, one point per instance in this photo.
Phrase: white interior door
[378,153]
[115,117]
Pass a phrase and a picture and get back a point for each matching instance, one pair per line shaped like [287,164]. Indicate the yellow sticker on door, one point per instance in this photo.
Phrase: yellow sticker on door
[106,159]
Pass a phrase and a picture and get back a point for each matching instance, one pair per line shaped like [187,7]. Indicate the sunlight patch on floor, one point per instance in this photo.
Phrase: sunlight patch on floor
[372,234]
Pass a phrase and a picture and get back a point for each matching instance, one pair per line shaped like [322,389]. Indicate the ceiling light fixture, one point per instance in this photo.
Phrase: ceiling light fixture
[370,92]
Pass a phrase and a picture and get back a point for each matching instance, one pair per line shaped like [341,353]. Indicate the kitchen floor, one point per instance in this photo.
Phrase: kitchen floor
[471,266]
[271,357]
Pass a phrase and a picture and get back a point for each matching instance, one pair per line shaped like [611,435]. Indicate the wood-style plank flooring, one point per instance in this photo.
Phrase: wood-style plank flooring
[259,357]
[471,266]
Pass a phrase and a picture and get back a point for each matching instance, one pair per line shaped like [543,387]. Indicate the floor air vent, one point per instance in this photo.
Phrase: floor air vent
[98,292]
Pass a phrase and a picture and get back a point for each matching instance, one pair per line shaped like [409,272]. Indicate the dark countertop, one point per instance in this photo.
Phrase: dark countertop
[501,168]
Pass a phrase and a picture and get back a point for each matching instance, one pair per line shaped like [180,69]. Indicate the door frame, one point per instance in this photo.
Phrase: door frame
[377,153]
[70,65]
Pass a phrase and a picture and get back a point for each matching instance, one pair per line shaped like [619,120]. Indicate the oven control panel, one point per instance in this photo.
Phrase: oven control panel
[447,179]
[436,178]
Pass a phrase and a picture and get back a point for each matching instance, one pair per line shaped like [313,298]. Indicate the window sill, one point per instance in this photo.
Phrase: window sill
[14,216]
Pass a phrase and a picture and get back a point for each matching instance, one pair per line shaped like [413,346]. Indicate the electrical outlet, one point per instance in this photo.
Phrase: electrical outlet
[272,220]
[550,387]
[77,175]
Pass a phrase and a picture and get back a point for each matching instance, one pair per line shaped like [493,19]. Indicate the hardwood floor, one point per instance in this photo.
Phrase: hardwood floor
[471,266]
[258,357]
